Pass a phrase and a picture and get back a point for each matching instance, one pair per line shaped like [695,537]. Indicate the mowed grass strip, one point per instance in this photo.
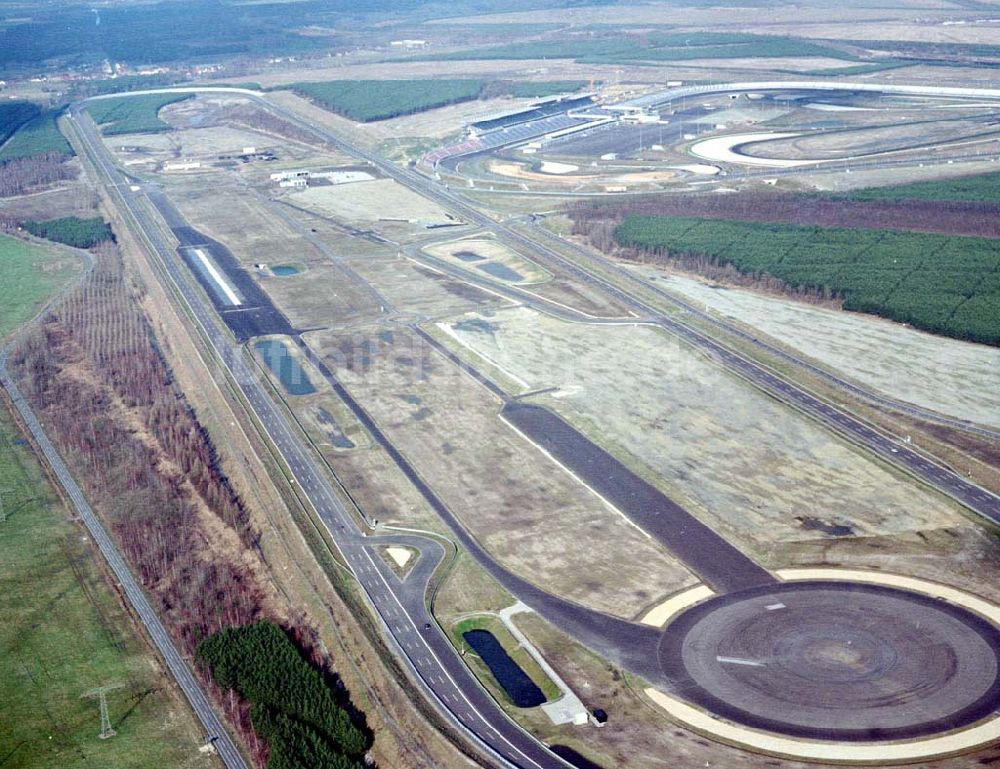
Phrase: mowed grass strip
[28,276]
[133,114]
[940,283]
[368,100]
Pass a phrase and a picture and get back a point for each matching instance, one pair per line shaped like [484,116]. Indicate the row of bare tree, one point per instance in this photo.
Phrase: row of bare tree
[28,174]
[94,374]
[948,217]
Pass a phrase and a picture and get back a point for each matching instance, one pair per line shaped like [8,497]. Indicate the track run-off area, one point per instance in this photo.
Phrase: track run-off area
[860,654]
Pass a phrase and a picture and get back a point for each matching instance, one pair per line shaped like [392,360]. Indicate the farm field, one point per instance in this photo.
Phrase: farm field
[368,100]
[132,114]
[30,276]
[37,136]
[952,377]
[947,285]
[653,47]
[749,467]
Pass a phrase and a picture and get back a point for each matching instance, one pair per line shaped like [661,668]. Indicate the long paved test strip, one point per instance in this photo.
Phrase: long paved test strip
[217,277]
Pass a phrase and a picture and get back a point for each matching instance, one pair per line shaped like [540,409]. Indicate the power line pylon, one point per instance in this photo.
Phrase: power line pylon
[3,513]
[101,693]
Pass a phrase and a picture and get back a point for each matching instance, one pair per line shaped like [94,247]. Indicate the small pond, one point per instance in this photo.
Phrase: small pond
[284,270]
[469,256]
[522,691]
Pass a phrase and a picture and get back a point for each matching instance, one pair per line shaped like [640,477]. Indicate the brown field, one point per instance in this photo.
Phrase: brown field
[951,218]
[530,514]
[370,202]
[70,198]
[953,377]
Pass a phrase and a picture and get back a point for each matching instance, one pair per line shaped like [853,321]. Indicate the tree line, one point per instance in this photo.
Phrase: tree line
[93,372]
[28,174]
[72,231]
[291,705]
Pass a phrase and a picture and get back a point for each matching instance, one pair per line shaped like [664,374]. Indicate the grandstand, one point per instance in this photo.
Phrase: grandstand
[537,111]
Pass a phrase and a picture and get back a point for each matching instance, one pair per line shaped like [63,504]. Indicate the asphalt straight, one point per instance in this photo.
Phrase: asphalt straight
[399,604]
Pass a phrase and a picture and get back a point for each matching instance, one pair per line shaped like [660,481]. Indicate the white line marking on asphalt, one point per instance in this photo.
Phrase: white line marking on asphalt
[217,277]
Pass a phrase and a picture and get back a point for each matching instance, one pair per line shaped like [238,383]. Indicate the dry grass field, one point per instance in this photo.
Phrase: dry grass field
[474,254]
[528,512]
[953,377]
[374,201]
[69,198]
[751,468]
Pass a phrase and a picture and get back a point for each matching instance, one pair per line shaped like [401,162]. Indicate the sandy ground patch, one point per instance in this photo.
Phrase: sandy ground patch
[834,752]
[401,555]
[520,171]
[551,167]
[658,615]
[960,379]
[371,201]
[740,461]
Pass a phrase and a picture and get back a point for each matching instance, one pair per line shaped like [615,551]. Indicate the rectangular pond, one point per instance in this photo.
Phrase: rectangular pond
[284,366]
[523,692]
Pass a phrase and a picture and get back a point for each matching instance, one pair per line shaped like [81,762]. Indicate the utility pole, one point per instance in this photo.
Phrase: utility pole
[3,513]
[101,693]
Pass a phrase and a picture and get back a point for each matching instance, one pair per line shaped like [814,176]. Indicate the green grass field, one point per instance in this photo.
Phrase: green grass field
[941,283]
[37,136]
[64,631]
[30,275]
[984,188]
[368,100]
[132,114]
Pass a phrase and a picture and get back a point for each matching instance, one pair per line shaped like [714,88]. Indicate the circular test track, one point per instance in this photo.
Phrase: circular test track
[799,668]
